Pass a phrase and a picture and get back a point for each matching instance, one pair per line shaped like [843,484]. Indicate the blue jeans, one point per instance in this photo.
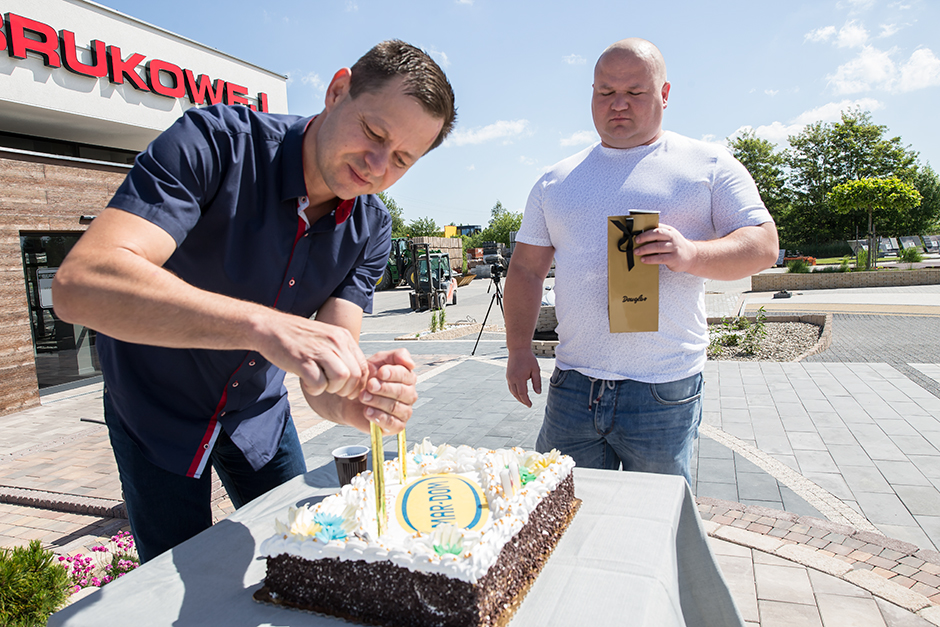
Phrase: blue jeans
[644,427]
[166,509]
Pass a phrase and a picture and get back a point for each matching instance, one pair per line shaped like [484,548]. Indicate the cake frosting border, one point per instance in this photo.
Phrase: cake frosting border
[509,512]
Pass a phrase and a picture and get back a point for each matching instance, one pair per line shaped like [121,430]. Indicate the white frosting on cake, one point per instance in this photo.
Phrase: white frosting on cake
[476,551]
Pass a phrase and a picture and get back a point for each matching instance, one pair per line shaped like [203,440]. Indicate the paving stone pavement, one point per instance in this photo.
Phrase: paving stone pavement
[796,463]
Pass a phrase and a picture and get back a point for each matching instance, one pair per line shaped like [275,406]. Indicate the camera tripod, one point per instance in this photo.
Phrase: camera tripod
[496,270]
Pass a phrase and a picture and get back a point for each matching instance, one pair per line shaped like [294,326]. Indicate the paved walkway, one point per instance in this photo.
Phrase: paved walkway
[817,481]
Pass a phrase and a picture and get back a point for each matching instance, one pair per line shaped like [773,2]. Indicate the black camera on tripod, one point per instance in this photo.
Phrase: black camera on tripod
[497,269]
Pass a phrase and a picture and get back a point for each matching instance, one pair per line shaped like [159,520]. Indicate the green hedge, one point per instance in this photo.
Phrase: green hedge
[817,249]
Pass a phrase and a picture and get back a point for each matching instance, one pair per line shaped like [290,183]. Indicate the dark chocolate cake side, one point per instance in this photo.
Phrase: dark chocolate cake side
[382,593]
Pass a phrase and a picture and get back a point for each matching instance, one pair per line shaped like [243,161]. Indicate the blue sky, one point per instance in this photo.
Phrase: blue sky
[522,72]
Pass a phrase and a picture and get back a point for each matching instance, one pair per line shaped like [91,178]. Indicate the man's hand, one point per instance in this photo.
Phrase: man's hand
[387,399]
[390,392]
[325,356]
[523,366]
[665,245]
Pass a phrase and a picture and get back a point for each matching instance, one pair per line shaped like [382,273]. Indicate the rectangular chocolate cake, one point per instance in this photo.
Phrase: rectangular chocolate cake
[467,535]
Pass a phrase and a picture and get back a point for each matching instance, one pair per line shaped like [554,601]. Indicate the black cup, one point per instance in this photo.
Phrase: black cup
[350,461]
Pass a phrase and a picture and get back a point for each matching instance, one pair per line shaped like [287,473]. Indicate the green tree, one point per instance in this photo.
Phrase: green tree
[424,227]
[825,155]
[767,168]
[765,165]
[811,177]
[925,219]
[885,203]
[398,221]
[864,152]
[502,222]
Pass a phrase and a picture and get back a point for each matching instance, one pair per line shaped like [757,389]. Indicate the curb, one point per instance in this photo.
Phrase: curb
[59,502]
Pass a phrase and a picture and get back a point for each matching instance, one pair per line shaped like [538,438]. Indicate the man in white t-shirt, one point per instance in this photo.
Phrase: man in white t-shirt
[630,400]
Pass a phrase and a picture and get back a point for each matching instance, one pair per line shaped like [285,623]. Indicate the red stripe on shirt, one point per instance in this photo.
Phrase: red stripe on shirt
[207,437]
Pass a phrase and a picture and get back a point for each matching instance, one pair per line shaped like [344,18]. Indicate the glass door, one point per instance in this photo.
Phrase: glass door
[64,353]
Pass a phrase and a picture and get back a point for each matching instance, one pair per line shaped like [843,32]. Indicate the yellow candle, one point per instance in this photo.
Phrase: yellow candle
[378,461]
[402,456]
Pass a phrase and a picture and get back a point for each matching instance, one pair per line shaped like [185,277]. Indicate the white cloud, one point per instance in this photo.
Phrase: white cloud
[832,111]
[852,35]
[471,167]
[778,132]
[574,59]
[876,69]
[440,57]
[464,1]
[313,79]
[771,92]
[821,34]
[503,129]
[871,68]
[527,160]
[351,5]
[921,70]
[887,30]
[579,138]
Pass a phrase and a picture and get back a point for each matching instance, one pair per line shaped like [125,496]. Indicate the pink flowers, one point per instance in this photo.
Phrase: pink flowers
[107,563]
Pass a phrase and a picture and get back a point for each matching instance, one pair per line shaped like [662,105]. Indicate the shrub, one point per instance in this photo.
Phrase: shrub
[798,265]
[32,585]
[738,332]
[842,267]
[911,254]
[861,259]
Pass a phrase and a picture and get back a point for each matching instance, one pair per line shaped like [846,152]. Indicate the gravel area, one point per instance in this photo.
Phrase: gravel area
[784,341]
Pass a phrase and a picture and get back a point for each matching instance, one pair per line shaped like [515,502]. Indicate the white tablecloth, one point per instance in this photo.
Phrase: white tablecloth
[635,554]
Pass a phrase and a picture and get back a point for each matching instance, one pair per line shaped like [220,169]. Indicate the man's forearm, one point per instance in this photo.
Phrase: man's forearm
[744,252]
[129,298]
[522,301]
[113,281]
[739,254]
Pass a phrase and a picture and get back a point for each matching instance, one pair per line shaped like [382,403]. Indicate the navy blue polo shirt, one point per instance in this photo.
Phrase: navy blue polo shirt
[226,183]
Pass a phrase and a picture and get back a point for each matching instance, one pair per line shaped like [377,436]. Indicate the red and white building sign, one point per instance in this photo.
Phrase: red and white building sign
[78,71]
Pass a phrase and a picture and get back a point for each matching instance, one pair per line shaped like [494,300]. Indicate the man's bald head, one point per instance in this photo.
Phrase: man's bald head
[640,49]
[630,94]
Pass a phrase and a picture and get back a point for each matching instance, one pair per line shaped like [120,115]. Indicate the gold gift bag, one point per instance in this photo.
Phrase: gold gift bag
[632,286]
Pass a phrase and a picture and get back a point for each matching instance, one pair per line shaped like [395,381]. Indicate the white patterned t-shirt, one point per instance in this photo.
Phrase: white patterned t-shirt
[697,187]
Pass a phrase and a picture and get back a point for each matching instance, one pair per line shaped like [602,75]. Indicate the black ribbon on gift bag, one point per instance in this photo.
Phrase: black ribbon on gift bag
[625,243]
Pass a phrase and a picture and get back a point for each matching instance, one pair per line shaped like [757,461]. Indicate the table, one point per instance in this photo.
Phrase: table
[635,554]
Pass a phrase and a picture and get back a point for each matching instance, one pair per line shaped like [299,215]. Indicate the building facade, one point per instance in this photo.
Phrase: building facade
[83,88]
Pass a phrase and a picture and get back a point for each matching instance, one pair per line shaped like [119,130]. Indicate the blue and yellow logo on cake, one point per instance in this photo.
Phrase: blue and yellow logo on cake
[441,499]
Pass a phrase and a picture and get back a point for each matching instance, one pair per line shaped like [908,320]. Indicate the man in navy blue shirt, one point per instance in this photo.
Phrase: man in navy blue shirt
[232,230]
